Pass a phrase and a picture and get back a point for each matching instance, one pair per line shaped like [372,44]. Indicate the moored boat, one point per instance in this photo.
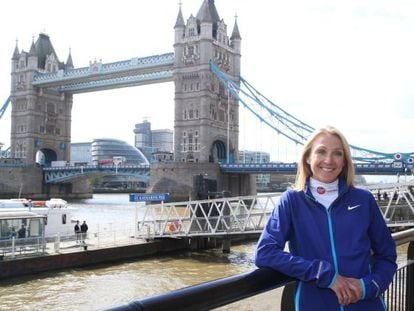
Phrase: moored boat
[57,211]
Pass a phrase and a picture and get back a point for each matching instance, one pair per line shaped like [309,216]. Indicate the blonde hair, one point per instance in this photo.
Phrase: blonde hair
[304,170]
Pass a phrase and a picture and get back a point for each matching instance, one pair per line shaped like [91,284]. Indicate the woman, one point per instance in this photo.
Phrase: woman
[340,249]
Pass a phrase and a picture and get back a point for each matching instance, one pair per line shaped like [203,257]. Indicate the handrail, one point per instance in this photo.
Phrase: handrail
[213,294]
[403,237]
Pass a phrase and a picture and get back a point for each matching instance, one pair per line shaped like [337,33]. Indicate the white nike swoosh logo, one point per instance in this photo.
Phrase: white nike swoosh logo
[350,208]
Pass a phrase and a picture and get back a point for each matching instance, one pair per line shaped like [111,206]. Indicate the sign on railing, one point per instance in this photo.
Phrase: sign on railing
[145,197]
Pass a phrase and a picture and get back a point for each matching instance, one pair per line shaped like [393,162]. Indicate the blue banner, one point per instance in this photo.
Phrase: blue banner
[144,197]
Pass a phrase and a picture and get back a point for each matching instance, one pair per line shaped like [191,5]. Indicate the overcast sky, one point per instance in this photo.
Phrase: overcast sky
[349,63]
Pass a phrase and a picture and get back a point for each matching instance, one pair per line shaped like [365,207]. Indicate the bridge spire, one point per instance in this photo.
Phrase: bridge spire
[180,20]
[16,53]
[69,61]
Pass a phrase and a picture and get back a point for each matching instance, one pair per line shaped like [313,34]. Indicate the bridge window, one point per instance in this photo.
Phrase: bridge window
[57,131]
[50,108]
[50,130]
[42,129]
[190,114]
[191,32]
[21,79]
[185,115]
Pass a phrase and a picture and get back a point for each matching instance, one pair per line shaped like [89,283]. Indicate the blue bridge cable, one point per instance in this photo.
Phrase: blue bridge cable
[234,89]
[4,107]
[280,117]
[298,131]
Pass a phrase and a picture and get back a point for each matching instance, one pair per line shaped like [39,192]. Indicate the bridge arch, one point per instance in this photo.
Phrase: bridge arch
[45,156]
[218,152]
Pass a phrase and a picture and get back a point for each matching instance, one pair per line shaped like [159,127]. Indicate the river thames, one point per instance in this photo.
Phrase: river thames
[105,286]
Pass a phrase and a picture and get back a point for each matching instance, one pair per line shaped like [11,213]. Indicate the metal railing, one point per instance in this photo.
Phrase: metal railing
[14,248]
[217,293]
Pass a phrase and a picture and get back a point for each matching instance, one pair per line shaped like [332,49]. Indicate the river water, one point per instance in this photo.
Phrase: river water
[104,286]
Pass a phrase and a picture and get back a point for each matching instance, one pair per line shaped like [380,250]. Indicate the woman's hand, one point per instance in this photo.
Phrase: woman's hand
[347,290]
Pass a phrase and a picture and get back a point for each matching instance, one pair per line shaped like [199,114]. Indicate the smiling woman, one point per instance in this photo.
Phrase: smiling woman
[316,218]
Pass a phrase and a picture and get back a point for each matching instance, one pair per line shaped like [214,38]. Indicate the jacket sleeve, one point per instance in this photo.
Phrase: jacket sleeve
[384,255]
[270,251]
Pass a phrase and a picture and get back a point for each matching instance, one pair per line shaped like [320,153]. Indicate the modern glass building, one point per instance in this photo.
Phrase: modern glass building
[80,153]
[103,150]
[162,140]
[152,143]
[245,156]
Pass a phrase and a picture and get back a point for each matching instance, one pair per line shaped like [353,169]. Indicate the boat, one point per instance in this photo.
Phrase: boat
[58,213]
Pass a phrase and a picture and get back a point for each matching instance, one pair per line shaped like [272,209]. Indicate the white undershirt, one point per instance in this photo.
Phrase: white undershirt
[324,193]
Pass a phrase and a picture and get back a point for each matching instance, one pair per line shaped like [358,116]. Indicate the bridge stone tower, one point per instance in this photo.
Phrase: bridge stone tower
[41,118]
[206,120]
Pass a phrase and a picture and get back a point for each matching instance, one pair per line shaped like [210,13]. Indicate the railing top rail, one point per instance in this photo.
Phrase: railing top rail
[216,293]
[224,291]
[403,237]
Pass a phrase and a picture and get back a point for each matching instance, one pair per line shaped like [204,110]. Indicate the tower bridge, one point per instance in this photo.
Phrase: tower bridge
[205,69]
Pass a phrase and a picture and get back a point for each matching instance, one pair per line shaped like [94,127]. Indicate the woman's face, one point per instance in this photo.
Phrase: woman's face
[327,158]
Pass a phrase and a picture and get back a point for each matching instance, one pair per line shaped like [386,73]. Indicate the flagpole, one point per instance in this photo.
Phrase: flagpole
[228,122]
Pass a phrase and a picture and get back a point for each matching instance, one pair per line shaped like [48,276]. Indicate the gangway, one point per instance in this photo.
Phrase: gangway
[249,214]
[213,217]
[396,201]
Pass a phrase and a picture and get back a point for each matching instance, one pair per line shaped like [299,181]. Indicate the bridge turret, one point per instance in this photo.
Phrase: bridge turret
[32,59]
[40,117]
[205,127]
[236,45]
[179,29]
[69,61]
[14,66]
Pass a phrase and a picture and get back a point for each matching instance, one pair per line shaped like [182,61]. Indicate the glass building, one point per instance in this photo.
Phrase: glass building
[156,145]
[80,153]
[245,156]
[104,150]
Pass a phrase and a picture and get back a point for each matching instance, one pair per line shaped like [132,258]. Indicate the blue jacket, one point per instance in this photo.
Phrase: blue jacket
[326,242]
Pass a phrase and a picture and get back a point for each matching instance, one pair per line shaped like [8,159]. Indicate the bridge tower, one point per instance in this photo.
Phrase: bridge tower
[41,118]
[206,123]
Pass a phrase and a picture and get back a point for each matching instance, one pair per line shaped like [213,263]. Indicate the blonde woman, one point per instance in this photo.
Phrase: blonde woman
[332,229]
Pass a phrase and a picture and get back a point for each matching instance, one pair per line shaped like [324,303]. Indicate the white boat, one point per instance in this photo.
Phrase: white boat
[57,211]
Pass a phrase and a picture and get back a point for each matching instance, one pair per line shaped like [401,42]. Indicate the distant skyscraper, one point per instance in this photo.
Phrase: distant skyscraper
[80,153]
[143,134]
[156,145]
[162,140]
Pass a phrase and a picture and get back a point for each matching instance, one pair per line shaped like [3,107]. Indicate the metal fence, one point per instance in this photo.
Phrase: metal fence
[15,248]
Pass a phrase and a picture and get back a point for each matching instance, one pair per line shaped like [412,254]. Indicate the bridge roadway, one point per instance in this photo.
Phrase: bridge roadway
[65,173]
[248,215]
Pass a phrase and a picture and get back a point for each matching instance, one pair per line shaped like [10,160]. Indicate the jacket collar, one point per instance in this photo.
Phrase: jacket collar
[342,188]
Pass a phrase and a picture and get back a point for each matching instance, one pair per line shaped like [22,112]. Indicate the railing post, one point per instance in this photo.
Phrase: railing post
[410,278]
[288,294]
